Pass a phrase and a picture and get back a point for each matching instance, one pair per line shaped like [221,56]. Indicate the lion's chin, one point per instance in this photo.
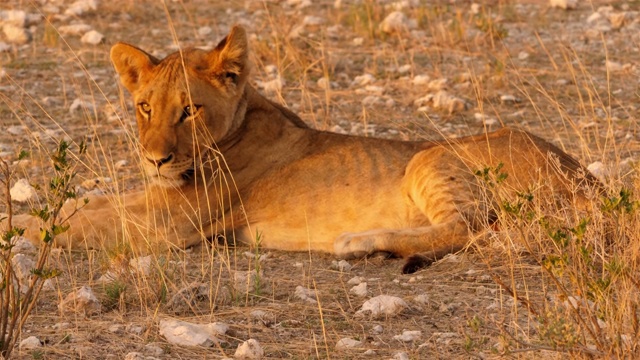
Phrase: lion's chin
[166,182]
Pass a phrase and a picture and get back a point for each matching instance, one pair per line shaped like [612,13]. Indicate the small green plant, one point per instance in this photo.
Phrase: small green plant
[17,299]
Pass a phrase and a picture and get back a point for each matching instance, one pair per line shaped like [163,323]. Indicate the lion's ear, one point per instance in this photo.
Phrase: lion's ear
[131,63]
[230,58]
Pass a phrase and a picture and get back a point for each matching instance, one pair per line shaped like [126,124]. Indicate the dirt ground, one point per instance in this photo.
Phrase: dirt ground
[450,68]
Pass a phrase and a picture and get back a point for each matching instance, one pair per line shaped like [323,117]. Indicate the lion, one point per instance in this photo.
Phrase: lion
[224,162]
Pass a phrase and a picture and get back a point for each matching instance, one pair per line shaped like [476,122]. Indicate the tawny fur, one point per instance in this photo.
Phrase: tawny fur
[244,167]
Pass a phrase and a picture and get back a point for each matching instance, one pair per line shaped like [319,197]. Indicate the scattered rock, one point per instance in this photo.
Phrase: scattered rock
[377,330]
[188,334]
[61,326]
[382,305]
[272,86]
[74,29]
[134,355]
[362,80]
[422,299]
[509,99]
[370,352]
[249,349]
[563,4]
[247,281]
[408,336]
[141,265]
[116,329]
[442,100]
[421,80]
[136,329]
[342,265]
[22,245]
[348,343]
[81,104]
[598,170]
[307,295]
[359,290]
[22,266]
[204,31]
[153,349]
[92,38]
[186,297]
[14,17]
[310,20]
[401,356]
[397,22]
[31,342]
[22,191]
[15,34]
[81,301]
[355,280]
[81,6]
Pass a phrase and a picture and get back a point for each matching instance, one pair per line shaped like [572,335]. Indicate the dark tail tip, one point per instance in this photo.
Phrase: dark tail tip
[415,263]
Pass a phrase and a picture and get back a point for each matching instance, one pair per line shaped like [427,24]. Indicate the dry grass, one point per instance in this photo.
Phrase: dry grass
[548,288]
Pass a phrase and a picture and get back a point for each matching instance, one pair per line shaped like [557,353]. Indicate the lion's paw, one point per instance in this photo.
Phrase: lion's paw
[352,246]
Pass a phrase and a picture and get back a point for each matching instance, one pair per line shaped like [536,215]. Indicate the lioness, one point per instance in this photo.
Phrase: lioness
[224,160]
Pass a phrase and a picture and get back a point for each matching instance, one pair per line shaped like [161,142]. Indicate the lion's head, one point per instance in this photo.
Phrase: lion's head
[185,103]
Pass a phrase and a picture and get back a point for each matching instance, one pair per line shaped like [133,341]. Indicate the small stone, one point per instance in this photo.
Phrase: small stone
[22,191]
[362,80]
[421,80]
[15,34]
[598,170]
[188,334]
[116,329]
[377,330]
[523,55]
[348,343]
[370,352]
[382,305]
[272,86]
[408,336]
[81,104]
[74,29]
[22,266]
[401,356]
[31,342]
[355,280]
[153,349]
[204,31]
[92,38]
[81,301]
[249,349]
[312,20]
[359,290]
[305,294]
[509,99]
[22,245]
[61,326]
[563,4]
[187,297]
[81,6]
[141,265]
[136,329]
[342,265]
[324,83]
[422,299]
[397,22]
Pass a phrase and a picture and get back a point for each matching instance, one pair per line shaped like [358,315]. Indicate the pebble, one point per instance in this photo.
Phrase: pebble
[271,87]
[598,170]
[141,265]
[249,349]
[342,265]
[348,343]
[22,266]
[81,301]
[408,336]
[509,99]
[397,21]
[15,34]
[401,356]
[359,290]
[377,330]
[22,191]
[362,80]
[305,294]
[92,38]
[382,305]
[189,334]
[31,342]
[74,29]
[312,20]
[563,4]
[421,80]
[81,6]
[355,280]
[422,299]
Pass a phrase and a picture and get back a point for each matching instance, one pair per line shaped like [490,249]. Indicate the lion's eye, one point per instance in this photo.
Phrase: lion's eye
[145,108]
[189,111]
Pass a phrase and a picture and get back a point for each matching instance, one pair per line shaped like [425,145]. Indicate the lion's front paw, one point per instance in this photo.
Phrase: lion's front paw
[353,246]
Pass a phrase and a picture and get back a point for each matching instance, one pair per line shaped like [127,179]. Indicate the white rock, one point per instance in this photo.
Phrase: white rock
[614,66]
[355,280]
[272,86]
[523,55]
[396,21]
[22,191]
[362,80]
[136,329]
[358,41]
[370,352]
[92,38]
[401,356]
[442,100]
[382,305]
[204,31]
[377,330]
[81,104]
[372,100]
[509,99]
[141,265]
[348,343]
[598,170]
[249,349]
[61,326]
[305,294]
[120,164]
[595,17]
[15,34]
[312,20]
[81,6]
[377,90]
[408,336]
[188,334]
[74,29]
[134,355]
[81,301]
[421,80]
[324,83]
[31,342]
[116,329]
[4,47]
[246,281]
[359,290]
[22,266]
[563,4]
[14,17]
[422,299]
[22,245]
[153,349]
[342,265]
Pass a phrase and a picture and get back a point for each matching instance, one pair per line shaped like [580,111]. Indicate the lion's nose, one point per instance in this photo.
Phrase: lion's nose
[159,162]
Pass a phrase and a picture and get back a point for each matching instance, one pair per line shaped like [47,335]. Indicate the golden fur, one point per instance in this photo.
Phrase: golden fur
[224,160]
